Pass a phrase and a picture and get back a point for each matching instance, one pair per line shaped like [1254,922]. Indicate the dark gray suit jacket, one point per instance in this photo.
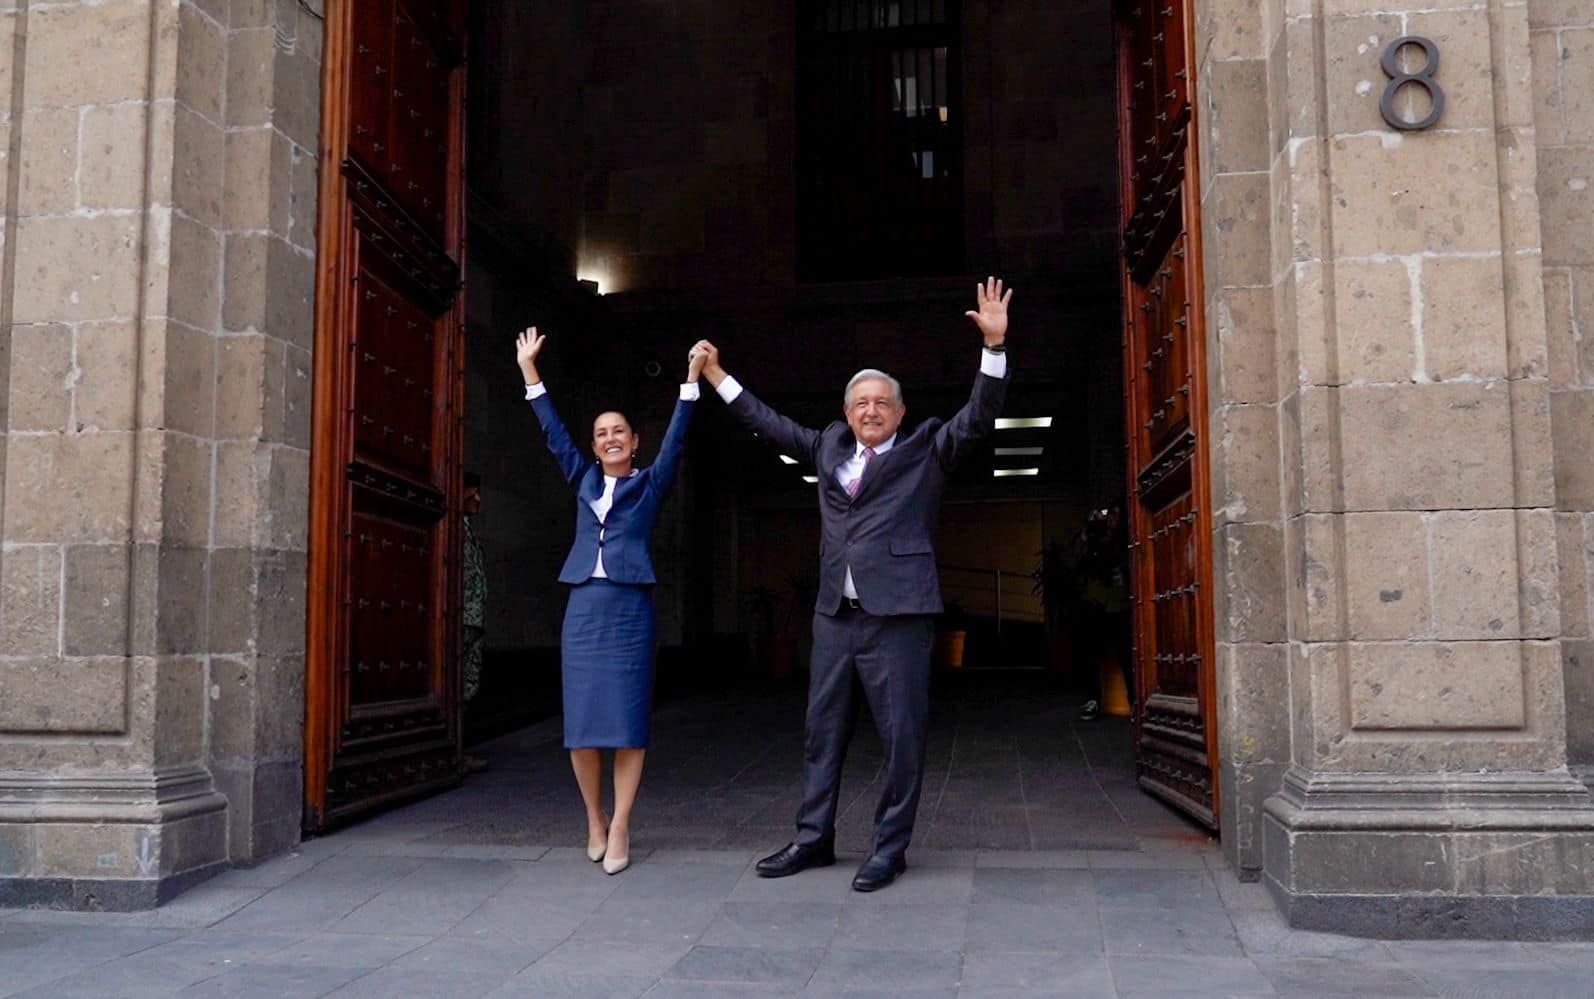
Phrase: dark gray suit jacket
[887,532]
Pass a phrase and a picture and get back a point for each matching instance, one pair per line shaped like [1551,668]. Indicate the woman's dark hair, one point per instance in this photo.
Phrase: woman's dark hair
[617,412]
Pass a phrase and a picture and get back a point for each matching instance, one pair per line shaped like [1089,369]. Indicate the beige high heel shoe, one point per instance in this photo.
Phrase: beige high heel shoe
[614,865]
[596,853]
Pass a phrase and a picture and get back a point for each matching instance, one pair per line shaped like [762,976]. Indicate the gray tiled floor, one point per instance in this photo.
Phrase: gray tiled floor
[1038,870]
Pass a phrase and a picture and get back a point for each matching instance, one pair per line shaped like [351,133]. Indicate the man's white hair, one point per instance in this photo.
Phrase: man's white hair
[868,374]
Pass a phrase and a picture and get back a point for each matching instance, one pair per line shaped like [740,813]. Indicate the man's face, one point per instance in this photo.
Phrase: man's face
[872,413]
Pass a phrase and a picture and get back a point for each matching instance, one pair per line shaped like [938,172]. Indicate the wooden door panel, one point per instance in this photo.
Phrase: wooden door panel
[382,690]
[371,84]
[392,630]
[1163,319]
[394,377]
[420,122]
[1165,406]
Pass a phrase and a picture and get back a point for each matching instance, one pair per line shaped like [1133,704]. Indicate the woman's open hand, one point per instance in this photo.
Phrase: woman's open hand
[527,346]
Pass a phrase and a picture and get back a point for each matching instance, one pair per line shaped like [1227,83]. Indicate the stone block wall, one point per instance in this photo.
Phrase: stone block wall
[1563,70]
[1390,627]
[159,239]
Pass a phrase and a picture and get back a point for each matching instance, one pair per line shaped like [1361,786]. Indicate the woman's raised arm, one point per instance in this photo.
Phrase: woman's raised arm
[571,461]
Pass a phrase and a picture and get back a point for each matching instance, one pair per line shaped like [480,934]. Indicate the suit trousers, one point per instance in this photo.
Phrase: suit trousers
[888,659]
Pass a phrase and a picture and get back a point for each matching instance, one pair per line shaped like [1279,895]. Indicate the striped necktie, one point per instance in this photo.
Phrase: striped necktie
[852,487]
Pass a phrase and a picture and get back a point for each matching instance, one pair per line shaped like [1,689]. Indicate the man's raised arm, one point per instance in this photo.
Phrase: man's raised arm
[959,435]
[793,439]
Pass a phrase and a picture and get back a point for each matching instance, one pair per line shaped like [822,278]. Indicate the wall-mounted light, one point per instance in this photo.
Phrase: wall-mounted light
[1002,473]
[1022,422]
[593,276]
[1014,452]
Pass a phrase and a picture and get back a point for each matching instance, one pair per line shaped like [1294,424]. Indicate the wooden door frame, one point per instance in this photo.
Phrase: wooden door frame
[331,422]
[1201,488]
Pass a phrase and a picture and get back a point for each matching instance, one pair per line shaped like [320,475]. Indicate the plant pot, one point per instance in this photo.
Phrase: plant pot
[1114,695]
[949,647]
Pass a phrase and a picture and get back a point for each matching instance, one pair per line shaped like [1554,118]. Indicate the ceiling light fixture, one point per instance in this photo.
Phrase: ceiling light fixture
[1014,452]
[1022,422]
[788,461]
[1002,473]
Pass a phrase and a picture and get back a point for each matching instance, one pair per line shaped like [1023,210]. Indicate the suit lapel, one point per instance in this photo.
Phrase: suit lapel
[630,482]
[871,472]
[591,485]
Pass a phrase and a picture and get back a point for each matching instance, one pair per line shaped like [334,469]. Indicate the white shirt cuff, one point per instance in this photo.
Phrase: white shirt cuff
[729,388]
[536,391]
[690,392]
[994,365]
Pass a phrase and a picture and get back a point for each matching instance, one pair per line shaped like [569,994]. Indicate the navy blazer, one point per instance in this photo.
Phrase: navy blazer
[886,533]
[625,533]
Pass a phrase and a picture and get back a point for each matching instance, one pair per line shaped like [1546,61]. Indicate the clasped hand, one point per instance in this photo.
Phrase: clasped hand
[529,343]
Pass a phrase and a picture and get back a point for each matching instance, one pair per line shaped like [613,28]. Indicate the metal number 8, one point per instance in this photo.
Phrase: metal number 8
[1423,78]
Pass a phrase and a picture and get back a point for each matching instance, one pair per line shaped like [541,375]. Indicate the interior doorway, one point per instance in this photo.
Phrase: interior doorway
[811,185]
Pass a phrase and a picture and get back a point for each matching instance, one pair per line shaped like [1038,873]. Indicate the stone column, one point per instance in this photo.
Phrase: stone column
[1563,74]
[1250,375]
[146,528]
[1427,792]
[262,423]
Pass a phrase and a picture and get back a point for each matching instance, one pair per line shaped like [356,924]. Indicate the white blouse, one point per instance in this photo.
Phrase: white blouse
[600,506]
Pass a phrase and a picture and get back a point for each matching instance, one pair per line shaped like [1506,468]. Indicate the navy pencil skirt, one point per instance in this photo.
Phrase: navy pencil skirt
[606,665]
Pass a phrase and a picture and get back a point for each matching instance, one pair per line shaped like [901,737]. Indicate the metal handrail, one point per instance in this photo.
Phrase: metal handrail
[997,576]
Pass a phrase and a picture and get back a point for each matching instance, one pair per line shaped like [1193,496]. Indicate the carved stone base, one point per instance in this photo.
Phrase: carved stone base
[108,841]
[1466,855]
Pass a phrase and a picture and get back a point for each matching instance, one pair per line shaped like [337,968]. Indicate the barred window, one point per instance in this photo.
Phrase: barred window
[879,172]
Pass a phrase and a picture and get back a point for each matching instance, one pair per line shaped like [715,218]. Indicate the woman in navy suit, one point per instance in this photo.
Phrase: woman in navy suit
[607,641]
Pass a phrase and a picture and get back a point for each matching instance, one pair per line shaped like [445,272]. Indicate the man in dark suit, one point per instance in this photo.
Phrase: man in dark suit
[879,501]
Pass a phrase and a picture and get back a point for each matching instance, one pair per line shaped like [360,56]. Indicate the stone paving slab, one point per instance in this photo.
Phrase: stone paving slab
[429,901]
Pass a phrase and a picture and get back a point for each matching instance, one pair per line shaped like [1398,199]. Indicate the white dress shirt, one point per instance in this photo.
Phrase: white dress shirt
[851,469]
[601,505]
[992,364]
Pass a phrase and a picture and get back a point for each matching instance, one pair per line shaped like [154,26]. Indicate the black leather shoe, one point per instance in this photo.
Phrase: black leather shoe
[793,858]
[877,872]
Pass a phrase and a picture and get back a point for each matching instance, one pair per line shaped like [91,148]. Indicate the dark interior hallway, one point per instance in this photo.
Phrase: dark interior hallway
[1010,768]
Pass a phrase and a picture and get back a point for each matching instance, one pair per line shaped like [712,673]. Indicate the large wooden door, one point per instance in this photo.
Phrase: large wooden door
[382,685]
[1165,408]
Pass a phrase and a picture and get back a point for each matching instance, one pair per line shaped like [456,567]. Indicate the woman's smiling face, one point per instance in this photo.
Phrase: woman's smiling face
[614,442]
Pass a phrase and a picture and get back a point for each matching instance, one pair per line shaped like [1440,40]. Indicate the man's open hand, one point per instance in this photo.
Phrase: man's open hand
[992,315]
